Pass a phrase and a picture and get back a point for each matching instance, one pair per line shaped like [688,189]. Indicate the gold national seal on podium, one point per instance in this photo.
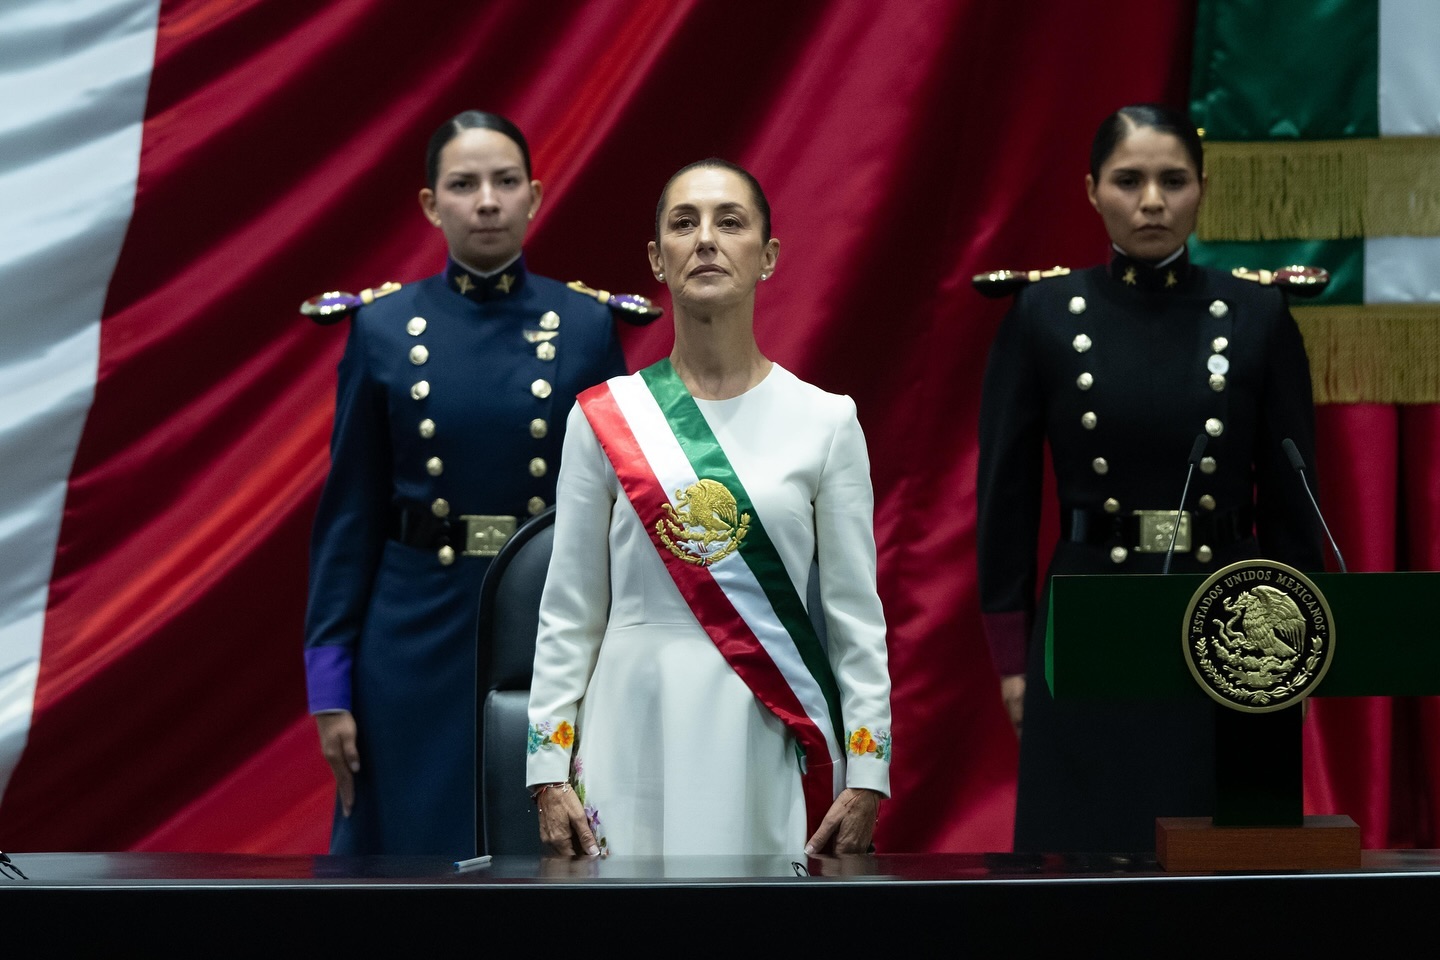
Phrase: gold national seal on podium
[1258,636]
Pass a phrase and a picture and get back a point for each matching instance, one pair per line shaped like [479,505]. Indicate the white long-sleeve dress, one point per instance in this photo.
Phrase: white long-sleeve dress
[668,748]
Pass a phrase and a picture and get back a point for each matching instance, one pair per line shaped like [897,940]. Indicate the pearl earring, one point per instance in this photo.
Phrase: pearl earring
[660,277]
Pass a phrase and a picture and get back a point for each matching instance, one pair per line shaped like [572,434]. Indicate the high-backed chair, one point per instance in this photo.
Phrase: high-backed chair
[509,614]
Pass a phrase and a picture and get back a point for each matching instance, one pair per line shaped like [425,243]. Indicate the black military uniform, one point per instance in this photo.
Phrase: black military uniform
[452,403]
[1120,369]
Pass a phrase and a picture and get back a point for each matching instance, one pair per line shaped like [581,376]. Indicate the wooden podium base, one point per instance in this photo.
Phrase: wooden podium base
[1195,844]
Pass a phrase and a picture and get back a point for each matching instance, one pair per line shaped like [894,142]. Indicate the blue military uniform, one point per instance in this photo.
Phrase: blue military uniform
[449,420]
[1118,369]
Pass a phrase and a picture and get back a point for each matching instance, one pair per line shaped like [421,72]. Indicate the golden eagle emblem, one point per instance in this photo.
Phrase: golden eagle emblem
[704,525]
[1258,636]
[1267,618]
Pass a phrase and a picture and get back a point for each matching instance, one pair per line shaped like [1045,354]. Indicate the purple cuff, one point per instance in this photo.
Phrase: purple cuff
[327,677]
[1008,635]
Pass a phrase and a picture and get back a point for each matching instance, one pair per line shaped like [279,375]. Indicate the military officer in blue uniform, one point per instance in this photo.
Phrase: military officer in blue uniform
[450,414]
[1120,369]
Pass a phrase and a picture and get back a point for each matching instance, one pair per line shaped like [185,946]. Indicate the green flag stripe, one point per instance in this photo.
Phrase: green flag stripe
[708,459]
[1286,69]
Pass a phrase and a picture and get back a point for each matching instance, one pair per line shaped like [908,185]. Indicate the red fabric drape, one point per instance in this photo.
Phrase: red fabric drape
[905,146]
[1378,758]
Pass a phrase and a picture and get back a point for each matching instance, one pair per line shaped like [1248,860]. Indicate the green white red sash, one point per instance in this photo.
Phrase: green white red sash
[661,447]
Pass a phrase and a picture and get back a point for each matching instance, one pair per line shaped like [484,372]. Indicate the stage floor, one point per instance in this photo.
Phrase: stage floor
[218,904]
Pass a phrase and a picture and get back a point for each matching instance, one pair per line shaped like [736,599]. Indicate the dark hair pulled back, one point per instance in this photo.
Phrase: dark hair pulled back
[470,120]
[757,194]
[1120,124]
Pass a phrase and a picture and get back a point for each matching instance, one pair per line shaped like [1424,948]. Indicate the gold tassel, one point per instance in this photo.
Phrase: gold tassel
[1322,189]
[1377,353]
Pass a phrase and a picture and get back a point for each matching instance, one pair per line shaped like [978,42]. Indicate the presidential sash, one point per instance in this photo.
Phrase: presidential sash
[710,536]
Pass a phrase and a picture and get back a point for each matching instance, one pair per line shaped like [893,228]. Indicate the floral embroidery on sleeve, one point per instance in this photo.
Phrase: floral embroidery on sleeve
[545,734]
[863,742]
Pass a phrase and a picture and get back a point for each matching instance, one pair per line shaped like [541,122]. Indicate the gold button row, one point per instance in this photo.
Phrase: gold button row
[440,507]
[540,389]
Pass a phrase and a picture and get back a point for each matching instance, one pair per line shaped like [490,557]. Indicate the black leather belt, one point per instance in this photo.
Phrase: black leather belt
[1148,531]
[470,535]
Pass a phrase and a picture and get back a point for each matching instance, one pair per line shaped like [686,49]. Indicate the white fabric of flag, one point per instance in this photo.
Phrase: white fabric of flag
[73,81]
[1406,269]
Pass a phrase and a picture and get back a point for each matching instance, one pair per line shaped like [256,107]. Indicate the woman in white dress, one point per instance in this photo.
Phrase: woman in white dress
[681,702]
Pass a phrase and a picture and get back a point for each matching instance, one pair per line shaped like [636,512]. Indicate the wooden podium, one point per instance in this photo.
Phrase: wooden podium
[1386,644]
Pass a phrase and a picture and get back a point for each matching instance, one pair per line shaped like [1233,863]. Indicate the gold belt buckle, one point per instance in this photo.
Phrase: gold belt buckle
[486,534]
[1156,529]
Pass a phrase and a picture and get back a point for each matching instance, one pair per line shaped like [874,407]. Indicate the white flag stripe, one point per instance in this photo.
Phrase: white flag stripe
[1402,270]
[1406,269]
[1409,68]
[73,79]
[672,469]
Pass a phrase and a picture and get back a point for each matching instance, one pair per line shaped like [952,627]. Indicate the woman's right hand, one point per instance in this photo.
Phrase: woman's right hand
[337,743]
[563,825]
[1012,691]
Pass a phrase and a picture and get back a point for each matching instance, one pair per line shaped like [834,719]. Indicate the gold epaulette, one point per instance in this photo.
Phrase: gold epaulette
[1295,279]
[632,308]
[335,305]
[1003,283]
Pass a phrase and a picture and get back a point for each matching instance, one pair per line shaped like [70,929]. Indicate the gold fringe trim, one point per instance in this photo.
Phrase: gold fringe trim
[1378,353]
[1322,189]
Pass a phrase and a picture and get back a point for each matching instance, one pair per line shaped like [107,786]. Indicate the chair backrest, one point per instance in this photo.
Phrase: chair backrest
[509,616]
[510,605]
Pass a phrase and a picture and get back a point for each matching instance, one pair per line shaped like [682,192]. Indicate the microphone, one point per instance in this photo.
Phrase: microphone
[1298,462]
[1197,450]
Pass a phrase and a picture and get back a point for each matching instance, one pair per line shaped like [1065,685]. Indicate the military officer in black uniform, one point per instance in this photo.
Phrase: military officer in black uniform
[1121,368]
[453,396]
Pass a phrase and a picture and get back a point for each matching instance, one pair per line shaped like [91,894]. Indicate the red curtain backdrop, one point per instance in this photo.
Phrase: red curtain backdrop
[905,146]
[1378,758]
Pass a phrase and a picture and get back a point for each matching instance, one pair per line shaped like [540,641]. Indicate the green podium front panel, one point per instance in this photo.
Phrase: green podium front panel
[1119,637]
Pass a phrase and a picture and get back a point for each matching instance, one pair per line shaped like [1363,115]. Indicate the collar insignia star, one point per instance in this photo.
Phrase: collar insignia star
[463,284]
[1170,279]
[505,283]
[1129,276]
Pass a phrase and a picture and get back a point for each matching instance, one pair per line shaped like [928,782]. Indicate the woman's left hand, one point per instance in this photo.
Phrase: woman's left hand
[848,824]
[564,828]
